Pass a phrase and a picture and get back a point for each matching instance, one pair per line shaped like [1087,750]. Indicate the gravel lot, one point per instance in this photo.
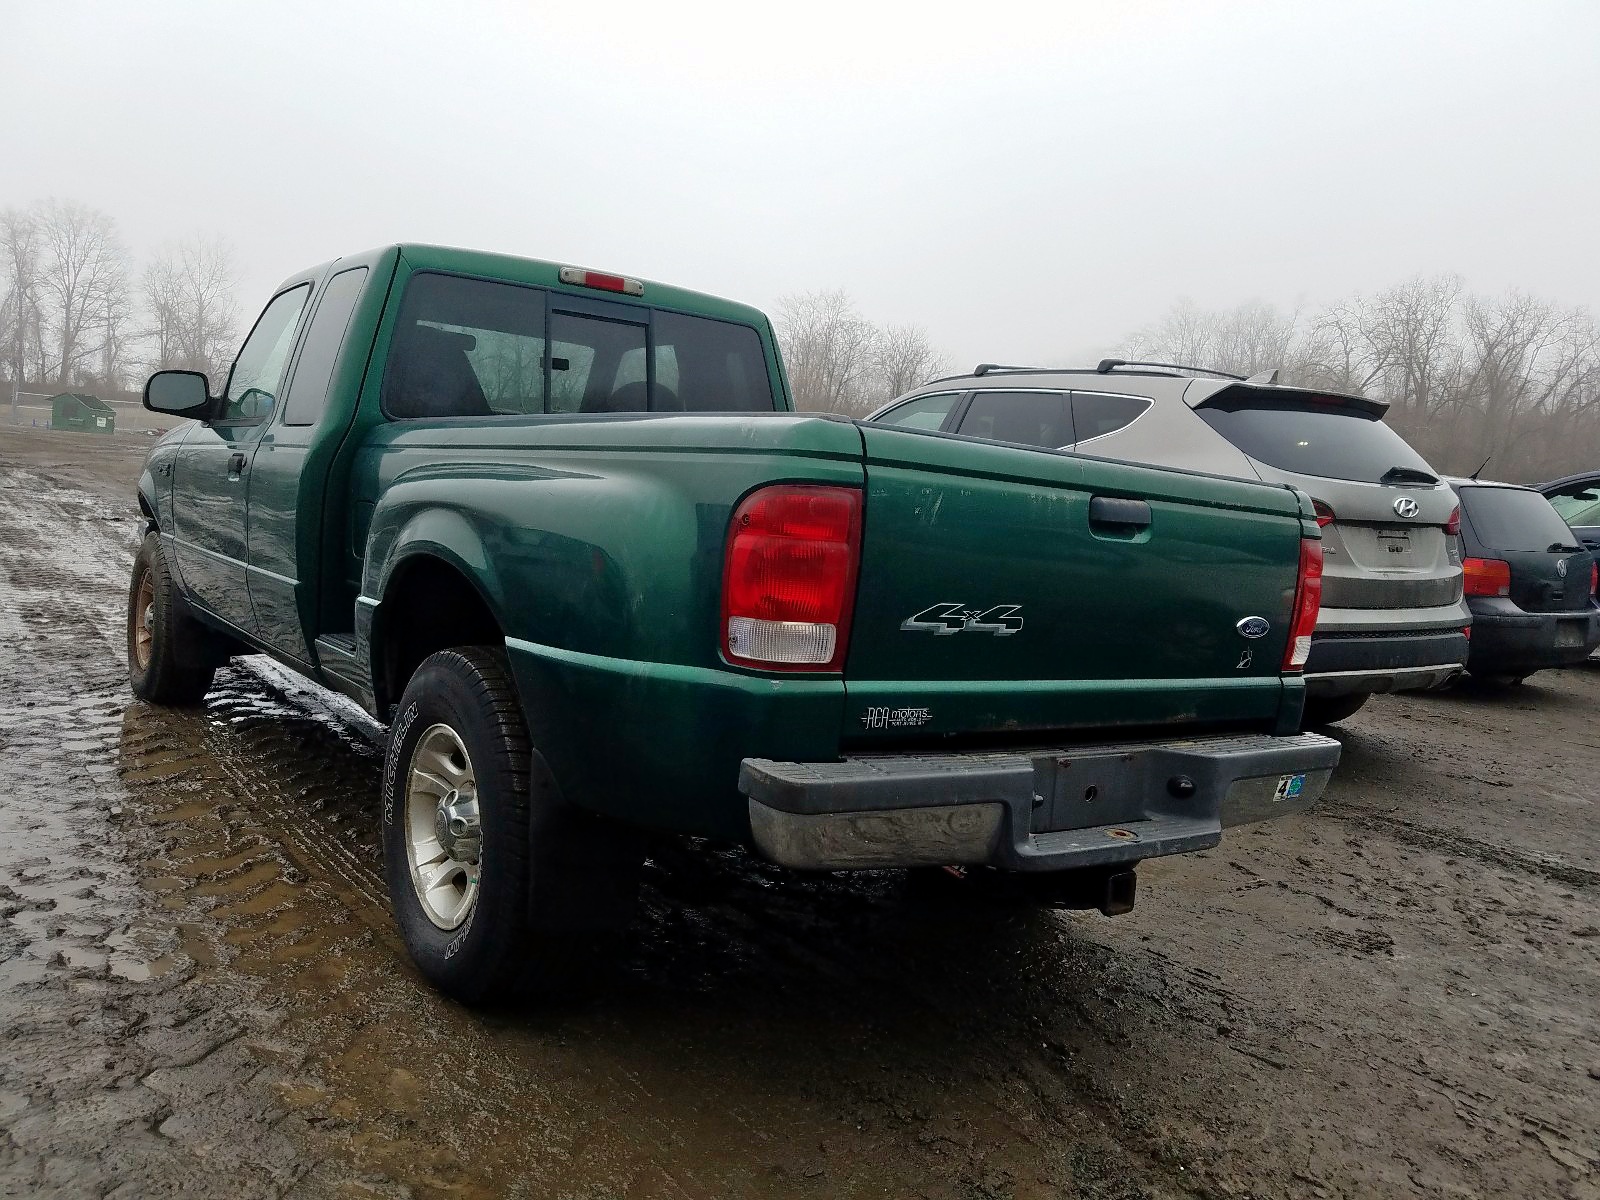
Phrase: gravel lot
[200,993]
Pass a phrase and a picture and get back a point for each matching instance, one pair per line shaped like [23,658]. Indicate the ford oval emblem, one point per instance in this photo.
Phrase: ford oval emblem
[1253,627]
[1406,507]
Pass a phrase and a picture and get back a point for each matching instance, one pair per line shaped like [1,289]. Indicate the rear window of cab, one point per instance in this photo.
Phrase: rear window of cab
[466,347]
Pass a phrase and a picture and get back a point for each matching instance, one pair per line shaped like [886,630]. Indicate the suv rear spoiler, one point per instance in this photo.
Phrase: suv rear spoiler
[1216,393]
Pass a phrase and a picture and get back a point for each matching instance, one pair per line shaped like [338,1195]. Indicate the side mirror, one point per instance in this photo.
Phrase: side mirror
[179,393]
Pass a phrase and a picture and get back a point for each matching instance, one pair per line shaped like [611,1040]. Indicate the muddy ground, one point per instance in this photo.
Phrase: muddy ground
[201,993]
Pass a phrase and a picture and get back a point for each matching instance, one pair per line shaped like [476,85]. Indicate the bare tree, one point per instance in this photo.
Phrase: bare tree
[19,312]
[1511,379]
[1416,350]
[905,358]
[191,312]
[83,279]
[829,349]
[1524,356]
[1253,337]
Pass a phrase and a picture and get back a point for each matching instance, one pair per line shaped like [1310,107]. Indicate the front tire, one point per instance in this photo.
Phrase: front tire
[499,884]
[167,649]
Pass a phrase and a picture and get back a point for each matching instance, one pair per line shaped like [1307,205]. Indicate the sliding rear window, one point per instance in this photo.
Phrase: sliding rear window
[478,348]
[1513,519]
[1329,439]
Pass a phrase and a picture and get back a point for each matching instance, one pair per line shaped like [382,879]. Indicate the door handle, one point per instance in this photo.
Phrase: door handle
[1115,513]
[235,465]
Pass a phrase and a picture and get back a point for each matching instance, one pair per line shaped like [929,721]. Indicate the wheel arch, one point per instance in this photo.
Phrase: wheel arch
[431,600]
[147,507]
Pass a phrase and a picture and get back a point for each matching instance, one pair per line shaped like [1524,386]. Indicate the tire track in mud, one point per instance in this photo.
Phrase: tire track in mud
[1448,843]
[104,1083]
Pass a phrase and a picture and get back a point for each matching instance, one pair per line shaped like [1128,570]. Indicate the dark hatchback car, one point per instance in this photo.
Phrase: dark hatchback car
[1529,582]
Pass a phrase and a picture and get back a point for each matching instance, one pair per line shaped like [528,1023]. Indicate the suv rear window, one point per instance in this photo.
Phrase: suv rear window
[1331,441]
[1513,519]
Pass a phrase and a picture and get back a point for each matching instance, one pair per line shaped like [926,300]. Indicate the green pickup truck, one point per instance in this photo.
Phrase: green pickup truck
[562,531]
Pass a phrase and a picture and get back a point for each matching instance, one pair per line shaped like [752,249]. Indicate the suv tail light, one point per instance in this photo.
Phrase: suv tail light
[1324,513]
[1453,525]
[1307,604]
[1594,578]
[1486,577]
[789,579]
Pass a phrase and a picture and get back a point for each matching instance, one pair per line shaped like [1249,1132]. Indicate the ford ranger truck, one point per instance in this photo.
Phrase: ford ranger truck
[563,533]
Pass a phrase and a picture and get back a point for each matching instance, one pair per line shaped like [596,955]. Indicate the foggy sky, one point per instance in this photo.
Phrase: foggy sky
[1026,181]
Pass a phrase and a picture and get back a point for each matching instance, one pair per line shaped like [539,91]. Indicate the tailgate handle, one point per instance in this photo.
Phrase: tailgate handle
[1118,513]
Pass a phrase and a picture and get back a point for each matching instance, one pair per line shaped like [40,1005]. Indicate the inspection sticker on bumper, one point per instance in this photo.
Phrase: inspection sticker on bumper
[1289,786]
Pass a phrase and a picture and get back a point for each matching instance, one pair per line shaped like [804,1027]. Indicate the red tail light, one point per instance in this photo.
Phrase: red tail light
[1324,514]
[1307,604]
[789,580]
[1486,577]
[1453,525]
[1594,578]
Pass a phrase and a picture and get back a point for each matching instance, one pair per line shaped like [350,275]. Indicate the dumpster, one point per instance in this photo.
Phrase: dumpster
[75,410]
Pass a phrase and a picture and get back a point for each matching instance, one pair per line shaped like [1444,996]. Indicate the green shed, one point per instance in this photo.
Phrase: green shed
[74,410]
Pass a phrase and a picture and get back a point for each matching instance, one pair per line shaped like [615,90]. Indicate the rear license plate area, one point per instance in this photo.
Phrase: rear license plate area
[1394,545]
[1081,792]
[1570,633]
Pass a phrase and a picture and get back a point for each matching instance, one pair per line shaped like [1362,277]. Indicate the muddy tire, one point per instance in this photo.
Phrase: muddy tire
[169,653]
[1325,710]
[501,888]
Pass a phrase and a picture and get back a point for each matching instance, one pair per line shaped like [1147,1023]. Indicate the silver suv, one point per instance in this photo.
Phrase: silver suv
[1393,616]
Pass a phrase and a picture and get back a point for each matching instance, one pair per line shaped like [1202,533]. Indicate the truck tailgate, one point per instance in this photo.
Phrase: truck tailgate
[1006,589]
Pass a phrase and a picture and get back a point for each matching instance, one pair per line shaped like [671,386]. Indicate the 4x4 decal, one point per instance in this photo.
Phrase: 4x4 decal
[945,619]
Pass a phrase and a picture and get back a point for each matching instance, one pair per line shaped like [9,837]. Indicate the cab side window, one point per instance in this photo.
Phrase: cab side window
[925,412]
[257,373]
[308,390]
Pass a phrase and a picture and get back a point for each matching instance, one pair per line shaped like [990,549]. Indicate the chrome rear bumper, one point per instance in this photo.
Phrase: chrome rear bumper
[1037,810]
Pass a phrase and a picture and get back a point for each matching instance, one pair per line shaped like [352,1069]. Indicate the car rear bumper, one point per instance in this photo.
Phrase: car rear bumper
[1036,810]
[1507,639]
[1342,664]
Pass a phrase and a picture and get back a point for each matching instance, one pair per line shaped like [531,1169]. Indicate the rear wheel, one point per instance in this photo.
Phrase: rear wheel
[169,658]
[499,884]
[1325,710]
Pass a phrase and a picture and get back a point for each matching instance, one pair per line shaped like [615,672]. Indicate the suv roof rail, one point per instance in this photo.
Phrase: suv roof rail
[985,368]
[1104,367]
[1108,365]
